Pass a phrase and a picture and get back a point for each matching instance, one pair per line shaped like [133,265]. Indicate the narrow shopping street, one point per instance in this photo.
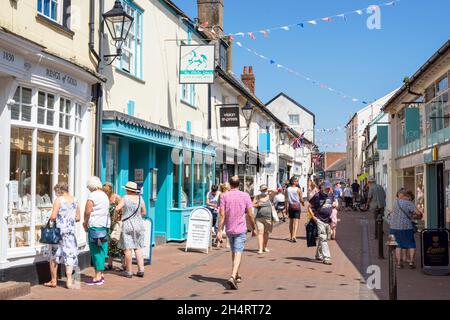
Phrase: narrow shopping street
[288,272]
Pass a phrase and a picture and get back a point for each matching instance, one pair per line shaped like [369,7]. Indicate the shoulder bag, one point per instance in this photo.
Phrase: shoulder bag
[99,236]
[50,235]
[274,214]
[414,224]
[117,230]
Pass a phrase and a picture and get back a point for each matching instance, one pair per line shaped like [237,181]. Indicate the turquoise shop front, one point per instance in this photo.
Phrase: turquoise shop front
[174,169]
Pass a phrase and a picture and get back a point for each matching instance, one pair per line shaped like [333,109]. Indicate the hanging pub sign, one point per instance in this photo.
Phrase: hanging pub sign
[435,254]
[412,124]
[197,64]
[229,117]
[383,137]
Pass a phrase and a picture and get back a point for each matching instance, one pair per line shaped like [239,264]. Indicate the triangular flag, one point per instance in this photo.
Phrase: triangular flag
[312,22]
[251,35]
[342,16]
[240,34]
[272,62]
[265,33]
[204,24]
[239,44]
[231,37]
[285,28]
[279,66]
[301,25]
[359,12]
[327,19]
[390,3]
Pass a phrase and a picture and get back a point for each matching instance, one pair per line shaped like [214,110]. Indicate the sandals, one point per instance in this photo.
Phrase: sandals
[232,283]
[50,284]
[400,265]
[238,278]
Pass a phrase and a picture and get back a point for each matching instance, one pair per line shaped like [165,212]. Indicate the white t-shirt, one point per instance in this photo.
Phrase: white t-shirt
[99,217]
[279,198]
[348,192]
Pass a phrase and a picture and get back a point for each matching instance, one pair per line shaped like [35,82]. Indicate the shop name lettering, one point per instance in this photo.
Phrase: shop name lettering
[9,57]
[433,250]
[52,74]
[229,116]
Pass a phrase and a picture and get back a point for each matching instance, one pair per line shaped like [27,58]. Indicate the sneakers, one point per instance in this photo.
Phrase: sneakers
[92,282]
[232,283]
[327,262]
[126,274]
[140,274]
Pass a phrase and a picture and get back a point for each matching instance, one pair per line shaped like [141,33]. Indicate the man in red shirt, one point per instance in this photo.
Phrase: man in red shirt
[234,206]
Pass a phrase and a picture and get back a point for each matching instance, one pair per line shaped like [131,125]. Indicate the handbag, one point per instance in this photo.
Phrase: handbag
[117,230]
[50,235]
[414,224]
[275,214]
[99,236]
[294,206]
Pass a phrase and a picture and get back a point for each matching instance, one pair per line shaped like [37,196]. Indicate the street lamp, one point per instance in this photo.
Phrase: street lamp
[119,23]
[247,111]
[283,135]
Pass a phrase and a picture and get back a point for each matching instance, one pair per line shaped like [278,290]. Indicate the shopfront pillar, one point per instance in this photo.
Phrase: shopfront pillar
[124,163]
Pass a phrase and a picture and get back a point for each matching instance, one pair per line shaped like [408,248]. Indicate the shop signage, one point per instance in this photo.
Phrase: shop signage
[139,175]
[435,254]
[229,117]
[62,79]
[11,59]
[197,64]
[412,124]
[383,137]
[199,231]
[431,155]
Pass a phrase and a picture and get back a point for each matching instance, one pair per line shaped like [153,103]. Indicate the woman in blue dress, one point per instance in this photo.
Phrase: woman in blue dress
[66,213]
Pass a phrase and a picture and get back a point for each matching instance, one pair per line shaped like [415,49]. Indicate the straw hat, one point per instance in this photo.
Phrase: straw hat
[131,186]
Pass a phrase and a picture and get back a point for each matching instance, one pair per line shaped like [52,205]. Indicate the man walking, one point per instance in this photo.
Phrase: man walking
[321,208]
[376,201]
[234,205]
[355,189]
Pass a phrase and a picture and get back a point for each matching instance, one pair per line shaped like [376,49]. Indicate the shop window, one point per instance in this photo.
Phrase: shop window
[131,61]
[21,110]
[46,108]
[208,172]
[186,185]
[111,161]
[199,193]
[20,170]
[65,107]
[64,159]
[78,117]
[176,178]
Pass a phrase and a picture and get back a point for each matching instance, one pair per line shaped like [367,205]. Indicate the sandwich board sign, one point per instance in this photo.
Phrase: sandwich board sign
[435,252]
[147,251]
[199,230]
[197,64]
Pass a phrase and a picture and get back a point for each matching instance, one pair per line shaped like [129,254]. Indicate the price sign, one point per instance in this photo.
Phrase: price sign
[199,231]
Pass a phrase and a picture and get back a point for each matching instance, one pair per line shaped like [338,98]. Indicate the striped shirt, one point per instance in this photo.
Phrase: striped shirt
[235,204]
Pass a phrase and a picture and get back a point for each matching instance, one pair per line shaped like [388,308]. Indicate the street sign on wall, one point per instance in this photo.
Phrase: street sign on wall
[197,64]
[229,117]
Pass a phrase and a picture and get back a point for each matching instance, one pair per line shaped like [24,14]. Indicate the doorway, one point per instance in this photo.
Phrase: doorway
[436,196]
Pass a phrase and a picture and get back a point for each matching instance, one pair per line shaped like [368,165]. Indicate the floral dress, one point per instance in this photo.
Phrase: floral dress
[66,252]
[133,229]
[113,250]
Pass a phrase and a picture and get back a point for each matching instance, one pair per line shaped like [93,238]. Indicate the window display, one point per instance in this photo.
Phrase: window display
[198,179]
[186,186]
[63,159]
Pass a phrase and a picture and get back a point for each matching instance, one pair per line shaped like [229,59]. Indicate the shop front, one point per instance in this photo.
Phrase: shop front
[46,116]
[174,170]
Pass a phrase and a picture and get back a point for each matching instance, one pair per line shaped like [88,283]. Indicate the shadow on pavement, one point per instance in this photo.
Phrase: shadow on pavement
[201,279]
[304,259]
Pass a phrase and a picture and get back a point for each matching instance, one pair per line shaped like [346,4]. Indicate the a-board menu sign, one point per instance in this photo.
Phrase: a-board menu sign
[199,230]
[435,252]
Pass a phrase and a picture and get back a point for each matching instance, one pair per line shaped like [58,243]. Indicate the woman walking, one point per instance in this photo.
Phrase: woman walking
[96,224]
[280,204]
[401,226]
[264,221]
[66,214]
[133,229]
[294,202]
[113,249]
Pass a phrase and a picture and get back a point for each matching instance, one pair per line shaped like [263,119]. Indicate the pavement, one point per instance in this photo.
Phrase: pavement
[287,272]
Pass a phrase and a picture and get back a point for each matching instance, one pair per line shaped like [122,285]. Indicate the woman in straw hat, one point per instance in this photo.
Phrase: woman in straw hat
[133,229]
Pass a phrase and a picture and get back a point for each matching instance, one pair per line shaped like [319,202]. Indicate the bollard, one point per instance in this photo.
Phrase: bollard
[380,236]
[392,245]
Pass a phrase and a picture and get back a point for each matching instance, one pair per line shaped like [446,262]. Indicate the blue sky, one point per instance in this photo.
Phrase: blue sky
[347,56]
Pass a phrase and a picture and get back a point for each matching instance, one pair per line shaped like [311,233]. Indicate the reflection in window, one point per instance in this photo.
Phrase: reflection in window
[64,113]
[44,173]
[176,177]
[198,179]
[64,153]
[186,187]
[21,110]
[46,104]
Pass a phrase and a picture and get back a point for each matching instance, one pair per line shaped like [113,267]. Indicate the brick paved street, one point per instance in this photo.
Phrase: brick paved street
[287,272]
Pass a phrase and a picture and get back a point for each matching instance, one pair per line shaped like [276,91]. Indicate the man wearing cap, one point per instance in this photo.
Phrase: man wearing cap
[321,208]
[376,200]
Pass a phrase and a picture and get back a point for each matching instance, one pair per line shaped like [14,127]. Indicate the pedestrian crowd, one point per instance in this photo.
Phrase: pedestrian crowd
[105,213]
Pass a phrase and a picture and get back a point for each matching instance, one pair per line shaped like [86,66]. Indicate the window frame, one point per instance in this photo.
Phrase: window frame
[297,116]
[59,10]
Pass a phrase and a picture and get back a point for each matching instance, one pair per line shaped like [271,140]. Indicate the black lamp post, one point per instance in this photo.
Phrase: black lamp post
[119,23]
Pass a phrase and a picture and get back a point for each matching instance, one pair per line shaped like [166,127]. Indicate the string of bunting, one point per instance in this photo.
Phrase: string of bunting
[296,73]
[302,24]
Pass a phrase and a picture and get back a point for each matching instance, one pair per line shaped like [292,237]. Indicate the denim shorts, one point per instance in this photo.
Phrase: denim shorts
[237,242]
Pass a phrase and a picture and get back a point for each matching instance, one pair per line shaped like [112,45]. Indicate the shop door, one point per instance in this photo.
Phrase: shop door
[164,192]
[435,194]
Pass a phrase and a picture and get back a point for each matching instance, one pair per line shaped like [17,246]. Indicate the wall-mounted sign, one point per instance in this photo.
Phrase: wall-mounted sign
[199,231]
[229,117]
[383,137]
[431,155]
[10,59]
[412,124]
[197,64]
[435,254]
[139,175]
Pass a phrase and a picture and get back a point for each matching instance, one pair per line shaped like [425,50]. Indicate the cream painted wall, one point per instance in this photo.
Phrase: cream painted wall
[20,17]
[157,95]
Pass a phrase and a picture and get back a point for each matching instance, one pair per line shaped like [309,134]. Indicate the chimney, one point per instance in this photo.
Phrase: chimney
[211,11]
[248,78]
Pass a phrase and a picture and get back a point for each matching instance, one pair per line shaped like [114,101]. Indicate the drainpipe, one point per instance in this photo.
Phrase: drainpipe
[91,30]
[99,95]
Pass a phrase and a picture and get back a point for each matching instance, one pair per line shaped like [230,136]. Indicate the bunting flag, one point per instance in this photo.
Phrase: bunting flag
[344,16]
[298,74]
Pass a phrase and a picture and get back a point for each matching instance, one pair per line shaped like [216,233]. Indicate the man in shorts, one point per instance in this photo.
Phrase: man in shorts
[235,205]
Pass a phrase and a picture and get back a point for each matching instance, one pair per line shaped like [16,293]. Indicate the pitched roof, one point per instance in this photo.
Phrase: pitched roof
[282,94]
[338,165]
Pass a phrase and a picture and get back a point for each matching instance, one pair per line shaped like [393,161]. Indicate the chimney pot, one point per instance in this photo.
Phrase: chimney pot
[245,70]
[250,70]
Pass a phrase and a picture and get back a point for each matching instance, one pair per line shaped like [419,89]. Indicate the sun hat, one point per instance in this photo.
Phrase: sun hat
[327,185]
[131,186]
[263,187]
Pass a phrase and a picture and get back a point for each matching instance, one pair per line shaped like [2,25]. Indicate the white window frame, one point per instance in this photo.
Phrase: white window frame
[297,116]
[67,116]
[59,10]
[20,104]
[46,108]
